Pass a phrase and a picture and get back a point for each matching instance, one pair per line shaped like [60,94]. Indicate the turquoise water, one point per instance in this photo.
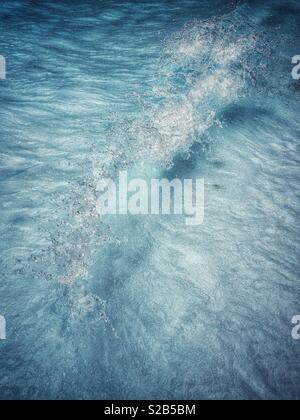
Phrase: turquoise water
[144,307]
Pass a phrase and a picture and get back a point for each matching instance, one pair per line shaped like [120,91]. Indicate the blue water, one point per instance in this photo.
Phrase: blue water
[144,307]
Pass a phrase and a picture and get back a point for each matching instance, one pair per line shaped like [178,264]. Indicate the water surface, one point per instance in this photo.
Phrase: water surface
[144,307]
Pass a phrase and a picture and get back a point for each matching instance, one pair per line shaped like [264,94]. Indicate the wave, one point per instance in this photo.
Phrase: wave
[203,68]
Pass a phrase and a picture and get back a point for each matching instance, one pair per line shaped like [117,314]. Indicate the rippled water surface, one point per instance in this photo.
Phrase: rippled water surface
[146,307]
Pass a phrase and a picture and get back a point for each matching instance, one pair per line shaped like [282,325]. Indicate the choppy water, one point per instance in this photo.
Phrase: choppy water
[135,307]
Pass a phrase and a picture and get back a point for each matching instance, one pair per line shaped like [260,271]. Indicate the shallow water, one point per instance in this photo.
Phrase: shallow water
[144,307]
